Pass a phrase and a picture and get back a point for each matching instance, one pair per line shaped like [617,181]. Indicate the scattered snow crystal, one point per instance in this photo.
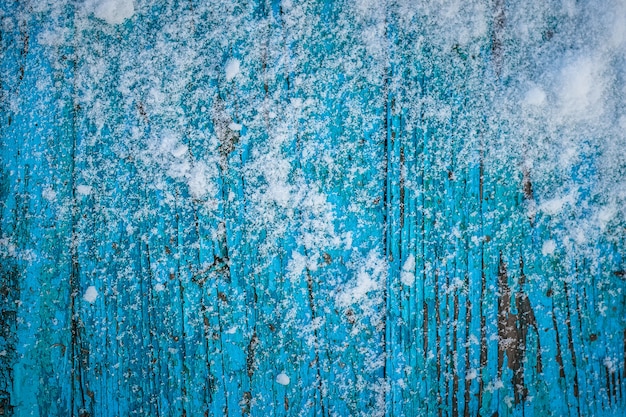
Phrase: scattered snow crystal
[555,205]
[179,151]
[548,247]
[535,97]
[232,69]
[90,294]
[407,276]
[49,194]
[283,379]
[296,265]
[581,89]
[370,278]
[83,189]
[611,365]
[200,181]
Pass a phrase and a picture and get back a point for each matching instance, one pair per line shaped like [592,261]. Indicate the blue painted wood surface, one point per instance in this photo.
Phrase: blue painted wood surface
[322,208]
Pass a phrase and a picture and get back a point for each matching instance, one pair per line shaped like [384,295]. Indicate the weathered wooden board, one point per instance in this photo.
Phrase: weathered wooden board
[323,208]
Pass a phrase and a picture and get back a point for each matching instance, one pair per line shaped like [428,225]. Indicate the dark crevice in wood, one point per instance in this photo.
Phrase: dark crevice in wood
[483,280]
[438,341]
[570,342]
[316,360]
[151,325]
[624,364]
[181,297]
[425,306]
[468,321]
[250,357]
[402,189]
[613,377]
[10,293]
[246,403]
[527,185]
[228,138]
[559,357]
[386,235]
[513,330]
[423,280]
[318,374]
[76,325]
[527,188]
[483,338]
[506,323]
[607,372]
[23,50]
[455,381]
[525,320]
[497,35]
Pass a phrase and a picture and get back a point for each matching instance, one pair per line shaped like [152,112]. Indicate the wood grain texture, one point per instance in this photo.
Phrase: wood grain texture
[354,207]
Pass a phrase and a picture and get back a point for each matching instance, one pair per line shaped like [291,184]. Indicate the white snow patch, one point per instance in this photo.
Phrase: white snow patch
[407,276]
[113,12]
[555,205]
[472,374]
[296,265]
[84,189]
[49,194]
[54,37]
[174,158]
[199,180]
[605,215]
[567,156]
[169,142]
[348,240]
[159,287]
[232,69]
[296,102]
[535,97]
[280,192]
[581,88]
[283,379]
[179,169]
[508,400]
[611,365]
[179,151]
[90,294]
[618,31]
[370,278]
[548,247]
[364,284]
[235,127]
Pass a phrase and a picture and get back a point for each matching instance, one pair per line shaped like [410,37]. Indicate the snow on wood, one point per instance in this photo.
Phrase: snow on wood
[376,208]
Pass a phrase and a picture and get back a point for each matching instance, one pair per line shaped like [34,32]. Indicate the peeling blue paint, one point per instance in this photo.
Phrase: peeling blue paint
[406,209]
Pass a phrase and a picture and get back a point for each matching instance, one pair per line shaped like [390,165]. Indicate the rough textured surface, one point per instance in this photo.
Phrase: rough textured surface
[325,208]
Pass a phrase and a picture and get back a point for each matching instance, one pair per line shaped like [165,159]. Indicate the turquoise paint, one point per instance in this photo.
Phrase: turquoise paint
[224,256]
